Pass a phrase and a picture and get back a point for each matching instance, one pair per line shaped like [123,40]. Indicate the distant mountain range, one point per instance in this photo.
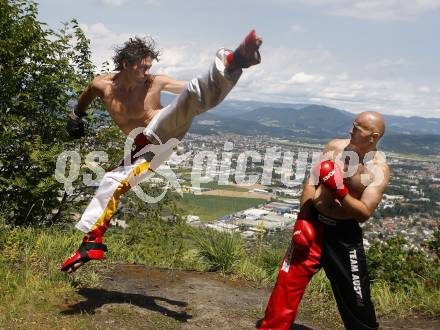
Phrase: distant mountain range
[314,123]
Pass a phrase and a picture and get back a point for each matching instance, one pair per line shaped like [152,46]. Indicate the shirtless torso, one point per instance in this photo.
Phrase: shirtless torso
[366,184]
[131,104]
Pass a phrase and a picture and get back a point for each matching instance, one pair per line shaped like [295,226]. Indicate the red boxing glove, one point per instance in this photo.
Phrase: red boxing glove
[303,234]
[331,176]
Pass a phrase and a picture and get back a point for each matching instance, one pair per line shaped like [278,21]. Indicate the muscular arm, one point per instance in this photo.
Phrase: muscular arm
[87,96]
[309,190]
[171,85]
[363,208]
[308,193]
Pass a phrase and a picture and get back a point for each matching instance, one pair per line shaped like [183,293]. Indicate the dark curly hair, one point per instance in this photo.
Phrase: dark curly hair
[134,50]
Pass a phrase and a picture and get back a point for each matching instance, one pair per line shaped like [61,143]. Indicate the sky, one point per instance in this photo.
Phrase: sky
[356,55]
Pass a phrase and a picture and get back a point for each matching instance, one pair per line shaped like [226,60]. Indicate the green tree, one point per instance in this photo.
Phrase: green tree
[392,261]
[41,73]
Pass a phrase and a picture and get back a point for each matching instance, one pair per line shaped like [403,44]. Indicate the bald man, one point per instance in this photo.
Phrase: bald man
[343,190]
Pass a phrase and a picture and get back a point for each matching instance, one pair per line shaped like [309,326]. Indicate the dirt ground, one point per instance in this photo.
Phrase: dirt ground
[231,193]
[171,299]
[138,297]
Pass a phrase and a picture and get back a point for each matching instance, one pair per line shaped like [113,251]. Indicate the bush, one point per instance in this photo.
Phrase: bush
[221,251]
[270,263]
[434,244]
[400,267]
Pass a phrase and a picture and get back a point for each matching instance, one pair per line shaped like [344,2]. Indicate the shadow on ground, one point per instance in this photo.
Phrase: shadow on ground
[292,327]
[299,327]
[96,298]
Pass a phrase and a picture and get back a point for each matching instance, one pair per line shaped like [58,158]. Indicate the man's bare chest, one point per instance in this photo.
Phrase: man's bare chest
[132,105]
[357,178]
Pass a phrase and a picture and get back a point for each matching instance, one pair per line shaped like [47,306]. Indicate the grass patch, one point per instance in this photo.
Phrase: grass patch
[220,251]
[212,207]
[32,288]
[417,299]
[215,186]
[318,303]
[33,292]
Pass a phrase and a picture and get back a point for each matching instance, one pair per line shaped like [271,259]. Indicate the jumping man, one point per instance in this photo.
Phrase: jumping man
[132,98]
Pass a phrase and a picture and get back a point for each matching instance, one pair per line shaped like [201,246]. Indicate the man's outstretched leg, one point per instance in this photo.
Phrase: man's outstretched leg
[201,94]
[206,91]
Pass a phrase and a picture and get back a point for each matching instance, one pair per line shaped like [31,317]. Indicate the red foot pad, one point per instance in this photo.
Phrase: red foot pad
[88,250]
[247,53]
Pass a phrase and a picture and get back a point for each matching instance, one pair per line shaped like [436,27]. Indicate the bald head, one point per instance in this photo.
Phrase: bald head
[373,121]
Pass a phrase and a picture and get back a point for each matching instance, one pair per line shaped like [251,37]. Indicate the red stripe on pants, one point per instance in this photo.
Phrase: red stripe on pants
[282,307]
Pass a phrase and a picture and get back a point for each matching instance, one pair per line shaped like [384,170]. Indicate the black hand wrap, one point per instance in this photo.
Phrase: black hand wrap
[75,125]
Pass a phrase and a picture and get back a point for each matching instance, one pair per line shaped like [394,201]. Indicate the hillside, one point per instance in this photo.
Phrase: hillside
[139,297]
[315,123]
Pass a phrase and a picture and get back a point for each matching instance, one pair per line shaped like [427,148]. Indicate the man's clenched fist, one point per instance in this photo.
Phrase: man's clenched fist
[75,126]
[331,176]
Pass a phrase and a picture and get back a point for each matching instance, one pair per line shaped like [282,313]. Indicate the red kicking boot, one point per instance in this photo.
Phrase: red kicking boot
[88,250]
[247,53]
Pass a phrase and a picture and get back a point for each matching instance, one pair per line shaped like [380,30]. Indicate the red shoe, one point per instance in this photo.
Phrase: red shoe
[247,53]
[88,250]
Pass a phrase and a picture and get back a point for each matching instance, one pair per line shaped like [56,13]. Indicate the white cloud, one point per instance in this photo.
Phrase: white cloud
[102,42]
[182,61]
[319,77]
[387,63]
[117,3]
[342,76]
[377,9]
[95,31]
[152,2]
[304,78]
[296,28]
[343,87]
[185,61]
[113,2]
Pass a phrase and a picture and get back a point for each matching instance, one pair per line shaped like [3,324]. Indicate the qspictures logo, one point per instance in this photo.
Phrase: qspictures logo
[136,167]
[209,166]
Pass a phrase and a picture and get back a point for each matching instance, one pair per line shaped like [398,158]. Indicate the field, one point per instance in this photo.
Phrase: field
[236,194]
[216,186]
[209,207]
